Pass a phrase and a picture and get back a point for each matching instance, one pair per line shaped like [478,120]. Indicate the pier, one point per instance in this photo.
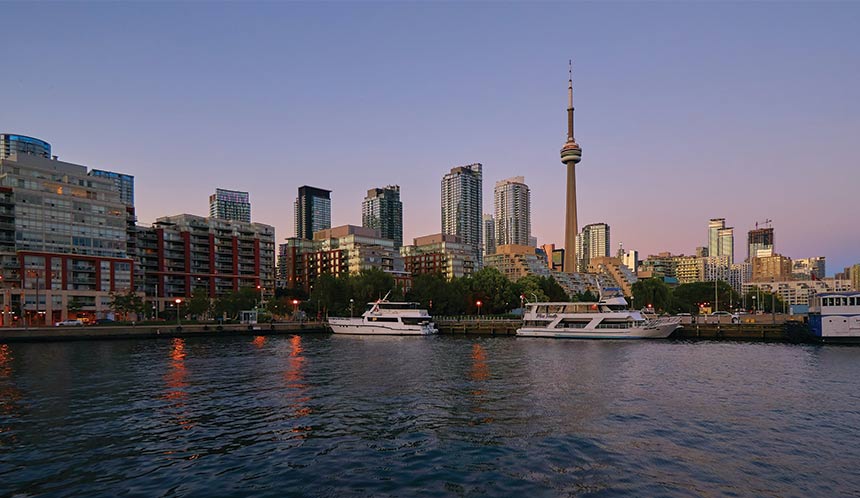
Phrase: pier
[151,331]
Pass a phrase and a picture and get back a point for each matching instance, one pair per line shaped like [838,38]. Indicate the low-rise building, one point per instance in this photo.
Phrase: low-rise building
[441,254]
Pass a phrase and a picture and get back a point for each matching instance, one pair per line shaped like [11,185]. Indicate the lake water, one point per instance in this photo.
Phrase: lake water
[324,415]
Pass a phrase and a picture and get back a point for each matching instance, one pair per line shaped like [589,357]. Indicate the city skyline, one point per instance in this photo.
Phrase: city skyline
[672,136]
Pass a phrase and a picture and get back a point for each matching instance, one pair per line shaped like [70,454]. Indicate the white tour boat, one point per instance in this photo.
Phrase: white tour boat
[607,319]
[386,318]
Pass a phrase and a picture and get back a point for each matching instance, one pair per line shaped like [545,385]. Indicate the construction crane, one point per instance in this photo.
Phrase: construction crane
[765,222]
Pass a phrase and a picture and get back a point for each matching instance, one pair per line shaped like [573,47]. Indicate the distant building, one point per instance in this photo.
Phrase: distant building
[631,260]
[809,268]
[512,201]
[312,211]
[439,254]
[11,144]
[230,205]
[461,206]
[796,292]
[702,252]
[721,239]
[382,210]
[771,268]
[760,243]
[615,269]
[341,250]
[489,225]
[855,277]
[592,242]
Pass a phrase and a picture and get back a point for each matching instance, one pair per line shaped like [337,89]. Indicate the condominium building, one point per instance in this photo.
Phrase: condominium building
[230,205]
[346,249]
[796,293]
[809,268]
[382,210]
[489,235]
[512,203]
[721,239]
[312,211]
[615,269]
[11,144]
[63,237]
[592,242]
[440,254]
[184,254]
[771,268]
[462,206]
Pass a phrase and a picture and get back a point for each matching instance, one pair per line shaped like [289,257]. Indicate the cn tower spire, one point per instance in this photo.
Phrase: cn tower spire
[570,101]
[571,154]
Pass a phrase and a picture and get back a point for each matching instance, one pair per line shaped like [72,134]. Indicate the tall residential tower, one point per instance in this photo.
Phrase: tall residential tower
[230,205]
[382,210]
[461,206]
[512,200]
[571,154]
[313,211]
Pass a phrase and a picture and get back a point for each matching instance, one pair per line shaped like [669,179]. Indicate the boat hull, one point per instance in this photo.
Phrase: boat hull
[359,327]
[660,331]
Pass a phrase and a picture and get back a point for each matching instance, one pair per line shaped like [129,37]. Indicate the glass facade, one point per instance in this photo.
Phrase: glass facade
[230,205]
[382,210]
[19,144]
[313,211]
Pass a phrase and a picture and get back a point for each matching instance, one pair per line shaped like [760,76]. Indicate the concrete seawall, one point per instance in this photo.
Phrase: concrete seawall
[155,331]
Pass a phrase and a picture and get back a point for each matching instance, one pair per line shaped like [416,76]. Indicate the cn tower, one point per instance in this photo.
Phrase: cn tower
[571,154]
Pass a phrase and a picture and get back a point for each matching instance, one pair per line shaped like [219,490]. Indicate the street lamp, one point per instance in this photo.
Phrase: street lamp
[479,303]
[261,295]
[755,309]
[178,302]
[351,302]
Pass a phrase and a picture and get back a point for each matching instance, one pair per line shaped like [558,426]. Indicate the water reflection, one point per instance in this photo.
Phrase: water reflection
[176,381]
[10,396]
[297,388]
[479,374]
[259,341]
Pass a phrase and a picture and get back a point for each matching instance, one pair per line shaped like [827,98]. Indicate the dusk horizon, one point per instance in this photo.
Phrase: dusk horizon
[684,112]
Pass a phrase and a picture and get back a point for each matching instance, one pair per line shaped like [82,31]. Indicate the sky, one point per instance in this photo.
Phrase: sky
[685,111]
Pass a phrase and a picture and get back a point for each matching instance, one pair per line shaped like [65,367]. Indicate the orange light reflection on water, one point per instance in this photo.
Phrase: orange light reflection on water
[176,381]
[296,386]
[259,341]
[480,373]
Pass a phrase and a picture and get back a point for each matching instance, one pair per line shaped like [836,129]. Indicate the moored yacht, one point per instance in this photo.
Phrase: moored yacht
[384,317]
[608,318]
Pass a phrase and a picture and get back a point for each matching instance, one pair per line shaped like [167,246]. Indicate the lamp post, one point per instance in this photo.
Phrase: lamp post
[261,296]
[351,302]
[755,309]
[295,308]
[178,302]
[716,296]
[479,303]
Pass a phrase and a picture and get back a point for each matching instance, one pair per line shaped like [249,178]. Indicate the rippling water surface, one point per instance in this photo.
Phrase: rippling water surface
[334,415]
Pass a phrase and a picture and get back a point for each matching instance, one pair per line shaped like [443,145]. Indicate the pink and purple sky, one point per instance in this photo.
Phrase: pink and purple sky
[685,111]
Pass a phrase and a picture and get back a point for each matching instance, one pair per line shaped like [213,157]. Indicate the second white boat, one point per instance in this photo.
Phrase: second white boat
[386,318]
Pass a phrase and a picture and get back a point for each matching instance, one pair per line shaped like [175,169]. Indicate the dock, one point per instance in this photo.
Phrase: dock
[150,331]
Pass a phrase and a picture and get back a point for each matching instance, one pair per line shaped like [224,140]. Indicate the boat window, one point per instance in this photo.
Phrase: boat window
[413,321]
[382,319]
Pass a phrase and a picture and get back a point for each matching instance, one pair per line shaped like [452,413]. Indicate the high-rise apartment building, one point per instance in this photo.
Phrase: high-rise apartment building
[19,144]
[809,268]
[760,243]
[773,268]
[592,242]
[382,210]
[124,184]
[489,225]
[312,211]
[512,202]
[439,254]
[63,238]
[461,206]
[721,239]
[230,205]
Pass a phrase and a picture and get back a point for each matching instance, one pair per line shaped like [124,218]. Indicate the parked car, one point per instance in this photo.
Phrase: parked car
[105,321]
[69,323]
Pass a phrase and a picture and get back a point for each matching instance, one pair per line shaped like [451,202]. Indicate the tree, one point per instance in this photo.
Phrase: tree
[529,287]
[199,304]
[651,292]
[687,298]
[123,304]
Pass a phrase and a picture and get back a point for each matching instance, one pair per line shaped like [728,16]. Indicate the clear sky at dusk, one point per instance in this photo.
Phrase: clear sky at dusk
[684,111]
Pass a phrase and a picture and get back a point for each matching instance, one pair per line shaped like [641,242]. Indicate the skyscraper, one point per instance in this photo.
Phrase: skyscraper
[489,234]
[512,201]
[230,205]
[382,209]
[760,239]
[714,226]
[124,184]
[313,211]
[721,239]
[461,206]
[593,242]
[571,154]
